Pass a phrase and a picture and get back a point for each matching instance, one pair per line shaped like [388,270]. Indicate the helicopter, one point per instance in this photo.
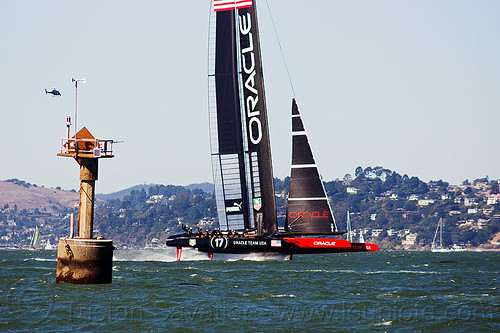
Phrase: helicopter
[54,92]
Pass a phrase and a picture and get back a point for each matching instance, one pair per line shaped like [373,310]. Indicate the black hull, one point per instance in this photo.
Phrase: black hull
[234,245]
[262,244]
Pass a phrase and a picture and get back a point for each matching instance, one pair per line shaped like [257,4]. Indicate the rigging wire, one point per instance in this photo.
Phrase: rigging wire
[281,49]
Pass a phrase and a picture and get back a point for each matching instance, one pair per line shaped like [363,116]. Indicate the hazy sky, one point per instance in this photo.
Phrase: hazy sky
[413,86]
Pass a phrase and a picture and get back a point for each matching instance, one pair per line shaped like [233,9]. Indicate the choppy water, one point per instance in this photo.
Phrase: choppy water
[384,291]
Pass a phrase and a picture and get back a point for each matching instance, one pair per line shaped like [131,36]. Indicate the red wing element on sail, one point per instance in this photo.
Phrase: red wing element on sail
[220,5]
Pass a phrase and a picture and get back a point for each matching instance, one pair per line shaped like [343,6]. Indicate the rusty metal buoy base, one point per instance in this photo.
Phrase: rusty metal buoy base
[84,261]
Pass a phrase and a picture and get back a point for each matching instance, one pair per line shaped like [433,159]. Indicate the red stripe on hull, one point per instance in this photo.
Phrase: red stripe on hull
[317,243]
[362,247]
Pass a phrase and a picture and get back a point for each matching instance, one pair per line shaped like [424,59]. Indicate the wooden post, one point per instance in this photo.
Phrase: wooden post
[88,176]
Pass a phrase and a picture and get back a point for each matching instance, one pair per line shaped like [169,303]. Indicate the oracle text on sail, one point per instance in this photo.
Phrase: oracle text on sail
[248,65]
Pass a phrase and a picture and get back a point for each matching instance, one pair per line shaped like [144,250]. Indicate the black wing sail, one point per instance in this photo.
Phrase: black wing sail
[225,126]
[308,210]
[256,124]
[241,156]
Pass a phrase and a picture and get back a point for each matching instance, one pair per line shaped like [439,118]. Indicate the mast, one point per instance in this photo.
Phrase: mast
[241,154]
[441,232]
[349,231]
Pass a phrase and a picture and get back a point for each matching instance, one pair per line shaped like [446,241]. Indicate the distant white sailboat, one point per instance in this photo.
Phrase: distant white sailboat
[439,247]
[49,246]
[35,242]
[361,237]
[349,229]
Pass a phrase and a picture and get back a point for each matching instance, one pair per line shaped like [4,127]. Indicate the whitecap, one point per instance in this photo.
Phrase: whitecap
[401,271]
[251,257]
[384,323]
[162,254]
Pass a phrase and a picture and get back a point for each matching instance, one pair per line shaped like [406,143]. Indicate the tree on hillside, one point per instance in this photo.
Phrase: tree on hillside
[494,188]
[347,178]
[182,201]
[359,172]
[281,186]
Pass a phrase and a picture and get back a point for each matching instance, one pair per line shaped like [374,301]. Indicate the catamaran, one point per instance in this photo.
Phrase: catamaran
[241,156]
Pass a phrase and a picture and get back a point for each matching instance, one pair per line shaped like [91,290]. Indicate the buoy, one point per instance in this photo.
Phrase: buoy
[85,260]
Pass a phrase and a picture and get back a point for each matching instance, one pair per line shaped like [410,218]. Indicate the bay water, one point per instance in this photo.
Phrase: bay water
[151,291]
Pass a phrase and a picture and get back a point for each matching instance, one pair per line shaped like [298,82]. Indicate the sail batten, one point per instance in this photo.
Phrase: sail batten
[304,166]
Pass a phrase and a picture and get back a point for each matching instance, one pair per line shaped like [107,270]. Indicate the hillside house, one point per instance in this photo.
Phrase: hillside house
[352,190]
[492,200]
[425,202]
[409,240]
[472,211]
[469,201]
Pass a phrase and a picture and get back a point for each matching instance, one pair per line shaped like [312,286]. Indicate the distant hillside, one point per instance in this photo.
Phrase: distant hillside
[206,187]
[395,211]
[122,193]
[27,196]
